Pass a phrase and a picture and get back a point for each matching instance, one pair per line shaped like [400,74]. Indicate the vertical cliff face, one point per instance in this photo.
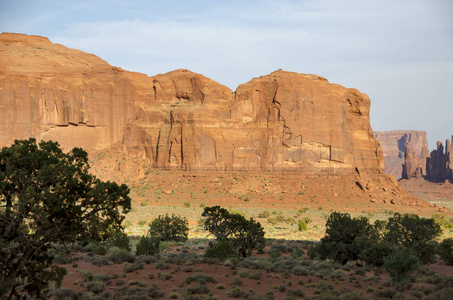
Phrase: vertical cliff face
[181,121]
[303,122]
[404,145]
[406,156]
[283,121]
[440,163]
[48,91]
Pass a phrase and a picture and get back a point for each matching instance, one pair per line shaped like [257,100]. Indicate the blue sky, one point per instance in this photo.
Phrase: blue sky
[399,52]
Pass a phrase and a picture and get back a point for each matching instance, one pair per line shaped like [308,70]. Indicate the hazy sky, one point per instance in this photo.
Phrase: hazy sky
[399,52]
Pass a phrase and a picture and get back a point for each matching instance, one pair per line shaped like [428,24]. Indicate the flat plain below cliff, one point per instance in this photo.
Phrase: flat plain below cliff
[282,140]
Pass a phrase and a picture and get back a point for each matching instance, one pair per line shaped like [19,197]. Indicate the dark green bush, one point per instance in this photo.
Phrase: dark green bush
[373,247]
[147,246]
[300,271]
[119,239]
[302,225]
[274,253]
[355,238]
[341,233]
[200,278]
[297,252]
[95,287]
[241,234]
[129,268]
[411,231]
[62,294]
[235,293]
[101,277]
[169,228]
[220,250]
[400,263]
[118,255]
[87,275]
[197,289]
[445,251]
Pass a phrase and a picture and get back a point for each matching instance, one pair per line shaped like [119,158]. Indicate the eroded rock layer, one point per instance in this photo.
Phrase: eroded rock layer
[283,121]
[439,165]
[400,146]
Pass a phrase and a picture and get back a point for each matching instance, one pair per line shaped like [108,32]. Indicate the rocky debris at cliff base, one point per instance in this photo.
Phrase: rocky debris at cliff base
[267,190]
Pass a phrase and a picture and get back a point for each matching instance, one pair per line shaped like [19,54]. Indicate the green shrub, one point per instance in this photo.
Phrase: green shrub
[147,246]
[387,293]
[297,252]
[290,220]
[200,278]
[401,263]
[341,233]
[129,268]
[300,270]
[440,220]
[355,238]
[101,277]
[161,265]
[411,231]
[165,276]
[137,282]
[302,210]
[118,255]
[92,246]
[264,214]
[273,221]
[244,274]
[241,234]
[339,274]
[169,228]
[220,250]
[236,281]
[87,275]
[119,239]
[95,287]
[302,225]
[196,289]
[445,251]
[61,293]
[295,294]
[274,253]
[235,293]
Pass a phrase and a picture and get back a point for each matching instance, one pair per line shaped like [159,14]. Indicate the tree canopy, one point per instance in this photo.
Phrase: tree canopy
[47,197]
[234,230]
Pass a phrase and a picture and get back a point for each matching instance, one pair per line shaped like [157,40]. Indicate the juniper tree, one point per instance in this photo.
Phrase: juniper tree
[48,197]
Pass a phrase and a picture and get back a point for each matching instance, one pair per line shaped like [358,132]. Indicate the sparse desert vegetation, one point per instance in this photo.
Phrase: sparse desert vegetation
[287,245]
[285,269]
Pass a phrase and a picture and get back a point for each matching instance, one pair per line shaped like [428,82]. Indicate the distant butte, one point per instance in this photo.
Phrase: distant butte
[394,144]
[284,121]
